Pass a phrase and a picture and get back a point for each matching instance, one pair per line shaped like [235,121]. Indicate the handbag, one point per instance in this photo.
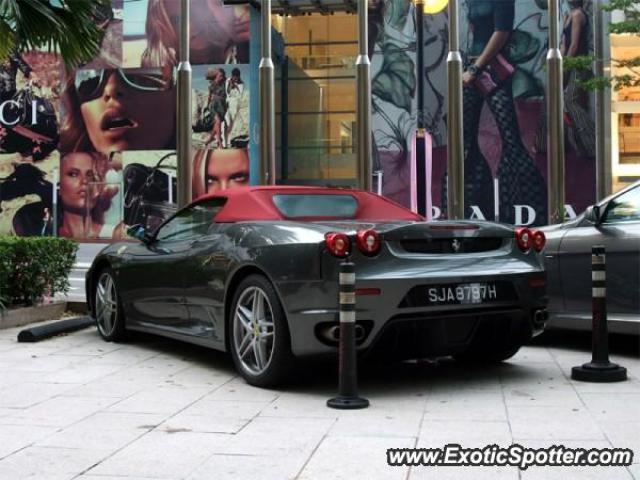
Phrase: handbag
[204,123]
[496,73]
[146,194]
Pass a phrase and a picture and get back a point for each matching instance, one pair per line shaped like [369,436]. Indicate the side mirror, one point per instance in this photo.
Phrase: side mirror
[594,214]
[138,232]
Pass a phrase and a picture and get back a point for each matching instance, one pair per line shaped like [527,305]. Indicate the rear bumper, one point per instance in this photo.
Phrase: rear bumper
[420,335]
[413,332]
[411,336]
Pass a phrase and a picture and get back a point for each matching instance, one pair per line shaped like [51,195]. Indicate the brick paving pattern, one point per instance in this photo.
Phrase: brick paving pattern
[75,407]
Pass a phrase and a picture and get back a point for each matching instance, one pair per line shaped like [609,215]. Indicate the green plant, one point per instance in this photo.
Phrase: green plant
[5,269]
[31,267]
[66,26]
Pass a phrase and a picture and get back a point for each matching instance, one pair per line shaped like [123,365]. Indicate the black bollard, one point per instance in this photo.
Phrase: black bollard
[600,369]
[347,398]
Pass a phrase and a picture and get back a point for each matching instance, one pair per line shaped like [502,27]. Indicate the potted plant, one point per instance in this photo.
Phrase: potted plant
[33,269]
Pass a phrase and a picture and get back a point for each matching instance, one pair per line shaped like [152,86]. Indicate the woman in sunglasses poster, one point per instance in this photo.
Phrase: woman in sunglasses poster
[109,110]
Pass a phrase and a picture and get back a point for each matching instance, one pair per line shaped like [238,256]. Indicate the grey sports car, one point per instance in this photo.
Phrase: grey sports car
[614,223]
[254,270]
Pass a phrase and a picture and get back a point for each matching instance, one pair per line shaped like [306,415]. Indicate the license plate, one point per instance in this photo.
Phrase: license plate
[462,294]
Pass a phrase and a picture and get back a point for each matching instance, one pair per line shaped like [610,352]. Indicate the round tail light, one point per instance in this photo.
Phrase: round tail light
[539,240]
[524,239]
[368,241]
[338,244]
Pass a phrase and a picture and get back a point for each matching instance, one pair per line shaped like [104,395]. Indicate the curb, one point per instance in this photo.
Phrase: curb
[77,307]
[20,316]
[35,334]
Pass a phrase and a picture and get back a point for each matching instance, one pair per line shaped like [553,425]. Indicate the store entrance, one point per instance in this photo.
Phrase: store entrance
[316,105]
[625,121]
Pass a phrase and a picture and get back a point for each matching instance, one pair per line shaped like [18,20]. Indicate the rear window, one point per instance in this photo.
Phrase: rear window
[302,205]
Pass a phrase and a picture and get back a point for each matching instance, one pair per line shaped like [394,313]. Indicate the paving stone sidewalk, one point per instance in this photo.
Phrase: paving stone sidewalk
[75,407]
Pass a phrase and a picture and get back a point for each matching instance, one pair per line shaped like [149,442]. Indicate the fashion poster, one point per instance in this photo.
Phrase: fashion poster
[218,33]
[150,188]
[30,84]
[109,20]
[216,169]
[27,193]
[221,106]
[107,110]
[90,196]
[505,132]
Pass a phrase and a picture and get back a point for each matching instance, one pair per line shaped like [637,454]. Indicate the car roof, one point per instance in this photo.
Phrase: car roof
[254,203]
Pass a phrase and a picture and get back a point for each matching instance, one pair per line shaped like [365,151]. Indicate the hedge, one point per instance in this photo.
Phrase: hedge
[31,267]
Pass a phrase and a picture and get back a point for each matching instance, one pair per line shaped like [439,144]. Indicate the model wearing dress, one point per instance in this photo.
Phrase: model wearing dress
[520,181]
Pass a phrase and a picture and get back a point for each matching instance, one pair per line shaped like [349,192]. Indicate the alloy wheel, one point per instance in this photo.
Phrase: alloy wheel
[106,304]
[254,330]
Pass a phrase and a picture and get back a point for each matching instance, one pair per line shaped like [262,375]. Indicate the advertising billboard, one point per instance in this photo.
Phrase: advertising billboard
[86,153]
[504,108]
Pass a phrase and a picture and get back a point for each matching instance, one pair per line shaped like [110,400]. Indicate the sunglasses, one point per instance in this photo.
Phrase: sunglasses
[90,83]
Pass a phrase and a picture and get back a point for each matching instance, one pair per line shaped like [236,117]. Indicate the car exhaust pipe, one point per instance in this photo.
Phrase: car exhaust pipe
[540,318]
[332,333]
[360,332]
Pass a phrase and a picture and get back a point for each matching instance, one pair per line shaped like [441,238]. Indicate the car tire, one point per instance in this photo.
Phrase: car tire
[259,338]
[109,314]
[486,356]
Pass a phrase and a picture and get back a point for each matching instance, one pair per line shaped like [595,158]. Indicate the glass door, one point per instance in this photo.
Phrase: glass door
[625,122]
[317,103]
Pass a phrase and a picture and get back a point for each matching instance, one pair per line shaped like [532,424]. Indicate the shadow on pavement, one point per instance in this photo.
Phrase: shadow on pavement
[320,376]
[624,345]
[394,379]
[199,356]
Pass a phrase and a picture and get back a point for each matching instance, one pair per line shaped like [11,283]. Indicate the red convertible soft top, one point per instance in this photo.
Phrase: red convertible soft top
[256,203]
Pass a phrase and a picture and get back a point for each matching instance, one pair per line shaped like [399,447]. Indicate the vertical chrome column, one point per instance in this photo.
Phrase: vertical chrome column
[419,146]
[603,165]
[184,110]
[267,101]
[363,85]
[455,138]
[555,130]
[54,203]
[420,69]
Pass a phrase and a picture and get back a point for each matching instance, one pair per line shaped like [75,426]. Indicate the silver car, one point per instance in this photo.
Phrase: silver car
[614,223]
